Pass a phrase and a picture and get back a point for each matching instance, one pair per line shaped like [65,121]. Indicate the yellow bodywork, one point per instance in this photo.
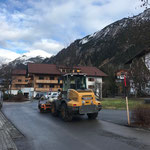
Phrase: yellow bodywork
[79,98]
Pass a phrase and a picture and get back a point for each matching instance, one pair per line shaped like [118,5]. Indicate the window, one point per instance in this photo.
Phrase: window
[26,80]
[51,85]
[19,80]
[58,80]
[63,70]
[41,85]
[91,79]
[52,78]
[122,73]
[91,86]
[41,77]
[18,86]
[77,71]
[67,70]
[61,85]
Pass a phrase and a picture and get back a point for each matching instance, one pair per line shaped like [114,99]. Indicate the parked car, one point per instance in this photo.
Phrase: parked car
[43,95]
[39,95]
[53,96]
[47,95]
[1,99]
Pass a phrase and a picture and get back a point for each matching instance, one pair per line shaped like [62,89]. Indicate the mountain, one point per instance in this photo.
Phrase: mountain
[21,62]
[114,44]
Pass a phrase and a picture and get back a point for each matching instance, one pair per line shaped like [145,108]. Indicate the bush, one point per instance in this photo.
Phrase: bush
[7,96]
[141,115]
[14,98]
[19,97]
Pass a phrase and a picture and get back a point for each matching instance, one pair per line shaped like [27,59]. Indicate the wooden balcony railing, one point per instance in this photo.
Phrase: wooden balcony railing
[23,83]
[48,81]
[46,89]
[15,88]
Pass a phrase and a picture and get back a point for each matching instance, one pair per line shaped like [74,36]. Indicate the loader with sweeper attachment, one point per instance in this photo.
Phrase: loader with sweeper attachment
[75,99]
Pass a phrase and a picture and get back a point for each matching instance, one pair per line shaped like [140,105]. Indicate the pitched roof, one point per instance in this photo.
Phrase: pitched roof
[92,71]
[19,72]
[43,69]
[54,69]
[138,55]
[67,67]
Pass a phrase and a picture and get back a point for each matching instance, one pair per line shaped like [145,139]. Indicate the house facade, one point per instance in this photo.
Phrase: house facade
[44,78]
[20,81]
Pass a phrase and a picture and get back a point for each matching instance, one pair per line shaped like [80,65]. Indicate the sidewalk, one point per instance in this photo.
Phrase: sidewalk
[7,133]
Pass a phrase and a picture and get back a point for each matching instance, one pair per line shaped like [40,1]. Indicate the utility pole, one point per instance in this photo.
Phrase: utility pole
[127,105]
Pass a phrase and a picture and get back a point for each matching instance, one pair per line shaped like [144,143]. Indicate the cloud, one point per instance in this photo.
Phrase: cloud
[34,53]
[8,55]
[50,46]
[49,25]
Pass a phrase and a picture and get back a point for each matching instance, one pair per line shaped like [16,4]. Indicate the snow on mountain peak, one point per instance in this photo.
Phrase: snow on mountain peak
[114,28]
[27,59]
[84,40]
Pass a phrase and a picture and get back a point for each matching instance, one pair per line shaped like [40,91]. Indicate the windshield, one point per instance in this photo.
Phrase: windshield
[75,82]
[54,94]
[79,83]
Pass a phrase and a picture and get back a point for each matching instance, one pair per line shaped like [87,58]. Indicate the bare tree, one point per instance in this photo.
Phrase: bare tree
[139,76]
[5,76]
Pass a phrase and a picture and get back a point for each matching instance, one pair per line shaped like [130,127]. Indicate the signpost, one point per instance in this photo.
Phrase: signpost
[125,84]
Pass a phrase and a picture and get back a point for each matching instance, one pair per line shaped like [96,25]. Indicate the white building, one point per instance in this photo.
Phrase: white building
[94,79]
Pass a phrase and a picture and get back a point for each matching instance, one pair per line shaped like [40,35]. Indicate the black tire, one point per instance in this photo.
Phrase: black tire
[41,110]
[92,116]
[65,115]
[0,106]
[39,106]
[54,110]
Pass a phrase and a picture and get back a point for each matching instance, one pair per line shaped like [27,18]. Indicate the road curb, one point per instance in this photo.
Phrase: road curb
[8,133]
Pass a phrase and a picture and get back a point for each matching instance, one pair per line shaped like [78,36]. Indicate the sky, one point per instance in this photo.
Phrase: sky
[44,27]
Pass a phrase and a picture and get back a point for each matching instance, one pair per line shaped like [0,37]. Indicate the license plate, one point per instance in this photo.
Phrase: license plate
[88,109]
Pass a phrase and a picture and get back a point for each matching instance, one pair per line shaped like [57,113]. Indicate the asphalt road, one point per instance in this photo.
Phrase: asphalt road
[45,132]
[114,116]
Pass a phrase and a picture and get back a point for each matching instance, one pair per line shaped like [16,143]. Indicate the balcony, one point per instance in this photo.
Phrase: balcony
[20,83]
[46,89]
[48,81]
[15,88]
